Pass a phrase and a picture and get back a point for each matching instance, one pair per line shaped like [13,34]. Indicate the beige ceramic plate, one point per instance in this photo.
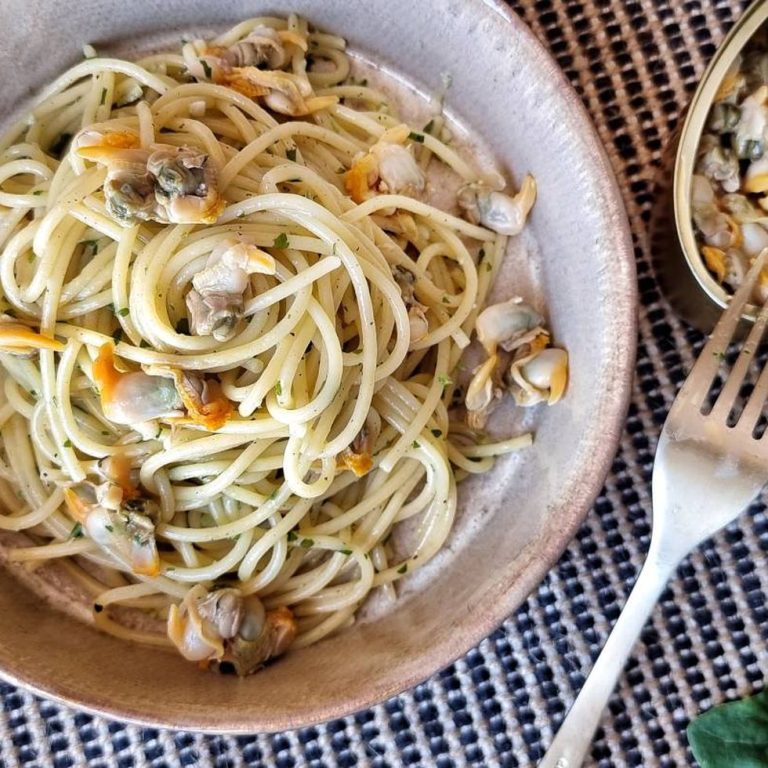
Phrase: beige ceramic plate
[575,257]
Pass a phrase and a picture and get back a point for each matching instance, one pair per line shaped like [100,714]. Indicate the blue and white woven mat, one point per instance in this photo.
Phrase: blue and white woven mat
[635,63]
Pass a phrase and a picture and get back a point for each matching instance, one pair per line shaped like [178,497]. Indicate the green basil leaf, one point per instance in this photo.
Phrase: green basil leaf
[732,735]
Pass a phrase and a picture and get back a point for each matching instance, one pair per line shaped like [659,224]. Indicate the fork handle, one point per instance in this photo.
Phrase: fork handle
[574,738]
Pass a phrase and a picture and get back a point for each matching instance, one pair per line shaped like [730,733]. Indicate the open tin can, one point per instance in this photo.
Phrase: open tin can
[682,273]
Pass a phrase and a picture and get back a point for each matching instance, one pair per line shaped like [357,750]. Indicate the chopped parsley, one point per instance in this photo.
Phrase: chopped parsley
[103,96]
[446,300]
[307,543]
[123,311]
[76,532]
[429,126]
[110,528]
[415,444]
[38,192]
[281,241]
[488,266]
[206,68]
[117,335]
[403,568]
[437,432]
[292,536]
[418,137]
[444,380]
[291,154]
[346,552]
[278,389]
[67,443]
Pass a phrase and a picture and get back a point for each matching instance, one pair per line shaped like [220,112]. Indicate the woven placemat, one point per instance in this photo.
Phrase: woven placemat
[635,63]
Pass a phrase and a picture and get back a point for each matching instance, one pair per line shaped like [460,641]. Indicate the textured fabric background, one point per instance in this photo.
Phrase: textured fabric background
[635,63]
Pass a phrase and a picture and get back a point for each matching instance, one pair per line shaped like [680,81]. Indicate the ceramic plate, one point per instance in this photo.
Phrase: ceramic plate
[575,258]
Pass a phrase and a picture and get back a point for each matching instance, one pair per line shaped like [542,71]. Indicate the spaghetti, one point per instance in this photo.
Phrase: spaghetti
[231,328]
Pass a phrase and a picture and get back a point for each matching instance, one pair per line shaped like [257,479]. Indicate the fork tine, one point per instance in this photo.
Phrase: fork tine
[730,391]
[754,406]
[700,378]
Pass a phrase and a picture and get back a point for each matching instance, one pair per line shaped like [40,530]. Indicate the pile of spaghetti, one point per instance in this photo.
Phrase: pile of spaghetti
[230,325]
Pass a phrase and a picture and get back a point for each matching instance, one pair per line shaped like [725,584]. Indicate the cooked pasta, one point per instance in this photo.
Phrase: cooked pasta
[232,326]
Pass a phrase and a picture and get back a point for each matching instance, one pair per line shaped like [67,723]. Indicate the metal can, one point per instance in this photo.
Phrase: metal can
[682,273]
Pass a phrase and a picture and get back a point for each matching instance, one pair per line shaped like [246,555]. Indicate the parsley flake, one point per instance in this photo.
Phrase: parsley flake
[123,311]
[103,96]
[346,552]
[292,536]
[281,241]
[278,389]
[67,443]
[291,154]
[417,137]
[307,543]
[437,432]
[403,568]
[444,380]
[206,68]
[76,532]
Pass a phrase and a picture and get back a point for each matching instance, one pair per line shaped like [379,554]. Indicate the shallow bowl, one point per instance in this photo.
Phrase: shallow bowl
[513,522]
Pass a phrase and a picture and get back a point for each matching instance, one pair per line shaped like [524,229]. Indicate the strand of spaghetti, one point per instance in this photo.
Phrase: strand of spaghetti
[428,212]
[194,449]
[51,551]
[84,69]
[497,448]
[228,530]
[125,595]
[265,543]
[35,516]
[272,571]
[198,495]
[216,568]
[319,631]
[282,132]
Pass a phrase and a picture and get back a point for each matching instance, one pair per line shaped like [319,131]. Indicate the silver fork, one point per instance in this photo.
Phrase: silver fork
[705,473]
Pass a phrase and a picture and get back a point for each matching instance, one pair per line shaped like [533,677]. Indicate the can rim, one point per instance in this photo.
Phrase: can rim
[693,126]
